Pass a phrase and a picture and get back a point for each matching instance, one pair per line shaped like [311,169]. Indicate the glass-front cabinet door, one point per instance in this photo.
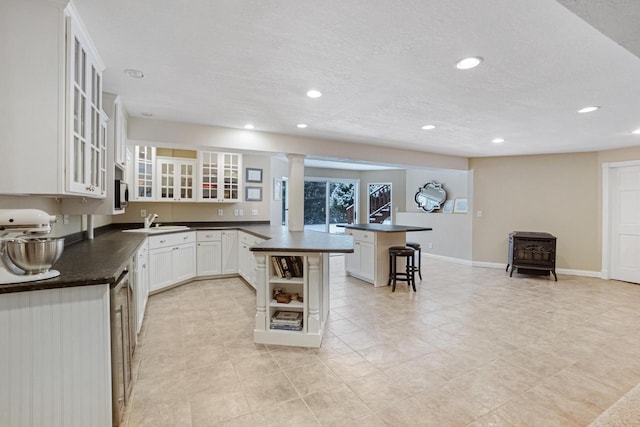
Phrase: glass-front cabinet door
[231,185]
[220,177]
[208,176]
[145,159]
[175,179]
[86,141]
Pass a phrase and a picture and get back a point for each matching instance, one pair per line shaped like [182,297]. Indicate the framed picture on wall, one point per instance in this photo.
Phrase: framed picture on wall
[253,175]
[460,206]
[253,194]
[448,206]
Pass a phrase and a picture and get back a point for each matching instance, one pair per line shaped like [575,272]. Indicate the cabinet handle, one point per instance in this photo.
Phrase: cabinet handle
[185,237]
[162,241]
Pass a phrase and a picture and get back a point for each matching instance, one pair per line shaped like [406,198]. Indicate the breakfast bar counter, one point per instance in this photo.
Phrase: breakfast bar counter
[370,258]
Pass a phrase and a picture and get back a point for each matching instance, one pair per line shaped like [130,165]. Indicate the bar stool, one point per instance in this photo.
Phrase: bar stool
[409,273]
[416,246]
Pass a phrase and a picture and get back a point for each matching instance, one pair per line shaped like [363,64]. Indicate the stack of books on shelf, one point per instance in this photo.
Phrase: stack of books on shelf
[287,320]
[287,266]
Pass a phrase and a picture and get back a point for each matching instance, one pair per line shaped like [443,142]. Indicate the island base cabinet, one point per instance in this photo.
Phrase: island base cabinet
[313,286]
[55,365]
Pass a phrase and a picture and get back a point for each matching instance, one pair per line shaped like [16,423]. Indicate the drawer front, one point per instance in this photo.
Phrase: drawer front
[209,236]
[363,236]
[171,239]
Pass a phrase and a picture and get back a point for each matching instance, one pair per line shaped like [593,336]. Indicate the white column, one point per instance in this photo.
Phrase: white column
[261,290]
[314,287]
[296,192]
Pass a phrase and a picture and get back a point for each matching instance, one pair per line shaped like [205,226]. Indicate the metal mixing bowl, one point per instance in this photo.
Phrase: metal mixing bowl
[35,254]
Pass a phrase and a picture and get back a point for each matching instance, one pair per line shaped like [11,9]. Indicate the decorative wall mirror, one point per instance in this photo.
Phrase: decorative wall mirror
[431,196]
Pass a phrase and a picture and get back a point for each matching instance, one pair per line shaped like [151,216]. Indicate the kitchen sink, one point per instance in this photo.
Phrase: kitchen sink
[160,229]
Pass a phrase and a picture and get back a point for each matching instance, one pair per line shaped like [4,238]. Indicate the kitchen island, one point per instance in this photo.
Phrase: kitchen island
[295,264]
[370,258]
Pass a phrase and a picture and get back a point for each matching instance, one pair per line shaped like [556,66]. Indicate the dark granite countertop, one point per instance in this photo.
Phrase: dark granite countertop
[89,262]
[385,228]
[102,260]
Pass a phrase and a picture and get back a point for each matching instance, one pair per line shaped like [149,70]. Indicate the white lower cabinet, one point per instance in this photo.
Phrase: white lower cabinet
[209,252]
[172,259]
[55,353]
[230,252]
[246,259]
[361,263]
[141,282]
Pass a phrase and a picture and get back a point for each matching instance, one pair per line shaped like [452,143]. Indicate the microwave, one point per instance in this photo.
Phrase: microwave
[121,194]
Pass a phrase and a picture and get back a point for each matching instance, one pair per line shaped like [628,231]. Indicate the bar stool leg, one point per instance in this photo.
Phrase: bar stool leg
[419,265]
[394,269]
[390,269]
[413,273]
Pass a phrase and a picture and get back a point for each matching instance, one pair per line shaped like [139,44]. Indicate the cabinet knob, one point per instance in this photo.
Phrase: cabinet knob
[185,237]
[163,241]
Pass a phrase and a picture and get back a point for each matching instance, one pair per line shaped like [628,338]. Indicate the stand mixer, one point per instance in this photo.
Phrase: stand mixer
[17,225]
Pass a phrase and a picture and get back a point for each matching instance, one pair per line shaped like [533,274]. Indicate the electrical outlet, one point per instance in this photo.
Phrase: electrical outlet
[430,245]
[479,214]
[241,212]
[220,212]
[143,213]
[65,219]
[235,212]
[254,212]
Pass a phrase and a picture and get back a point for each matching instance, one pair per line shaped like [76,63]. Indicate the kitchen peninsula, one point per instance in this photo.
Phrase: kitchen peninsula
[370,258]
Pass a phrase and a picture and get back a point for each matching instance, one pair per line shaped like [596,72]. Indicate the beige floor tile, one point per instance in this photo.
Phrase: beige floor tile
[255,366]
[312,378]
[294,357]
[267,391]
[336,406]
[205,355]
[158,413]
[220,377]
[291,413]
[212,406]
[376,390]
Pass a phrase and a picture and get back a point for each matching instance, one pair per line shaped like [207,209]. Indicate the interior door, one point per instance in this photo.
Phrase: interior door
[625,224]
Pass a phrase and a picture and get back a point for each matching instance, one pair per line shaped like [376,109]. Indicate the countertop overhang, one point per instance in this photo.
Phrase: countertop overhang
[385,228]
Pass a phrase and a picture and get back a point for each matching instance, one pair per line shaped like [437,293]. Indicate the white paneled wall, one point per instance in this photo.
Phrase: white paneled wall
[55,360]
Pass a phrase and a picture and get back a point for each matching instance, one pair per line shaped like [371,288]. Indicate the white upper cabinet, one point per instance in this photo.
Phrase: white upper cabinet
[175,179]
[220,177]
[144,167]
[52,121]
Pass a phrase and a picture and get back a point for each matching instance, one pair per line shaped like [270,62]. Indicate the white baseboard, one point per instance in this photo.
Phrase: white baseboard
[448,259]
[503,266]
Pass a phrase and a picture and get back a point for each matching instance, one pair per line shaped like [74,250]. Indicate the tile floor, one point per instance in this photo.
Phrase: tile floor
[472,347]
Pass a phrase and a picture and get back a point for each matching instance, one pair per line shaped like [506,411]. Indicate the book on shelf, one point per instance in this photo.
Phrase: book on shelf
[287,316]
[286,327]
[287,266]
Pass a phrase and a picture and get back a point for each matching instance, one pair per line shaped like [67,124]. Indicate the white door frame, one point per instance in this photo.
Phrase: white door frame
[607,170]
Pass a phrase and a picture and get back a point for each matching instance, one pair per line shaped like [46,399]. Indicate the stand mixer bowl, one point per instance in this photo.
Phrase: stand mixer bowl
[34,255]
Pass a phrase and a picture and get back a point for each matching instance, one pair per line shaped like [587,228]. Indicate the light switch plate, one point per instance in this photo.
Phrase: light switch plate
[241,212]
[220,212]
[143,213]
[254,212]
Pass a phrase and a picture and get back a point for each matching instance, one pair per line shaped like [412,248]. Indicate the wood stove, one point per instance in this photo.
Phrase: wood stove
[532,253]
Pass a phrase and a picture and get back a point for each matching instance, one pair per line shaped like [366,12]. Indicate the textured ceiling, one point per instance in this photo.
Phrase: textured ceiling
[385,68]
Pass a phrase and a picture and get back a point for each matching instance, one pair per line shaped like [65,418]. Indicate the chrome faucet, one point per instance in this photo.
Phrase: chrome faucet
[149,220]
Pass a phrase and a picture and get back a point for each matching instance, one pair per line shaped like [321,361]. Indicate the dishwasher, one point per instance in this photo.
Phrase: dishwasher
[122,344]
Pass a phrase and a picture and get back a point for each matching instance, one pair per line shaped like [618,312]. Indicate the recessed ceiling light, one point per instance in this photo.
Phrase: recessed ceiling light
[588,109]
[147,114]
[302,125]
[136,74]
[314,93]
[468,63]
[249,126]
[428,127]
[636,132]
[497,140]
